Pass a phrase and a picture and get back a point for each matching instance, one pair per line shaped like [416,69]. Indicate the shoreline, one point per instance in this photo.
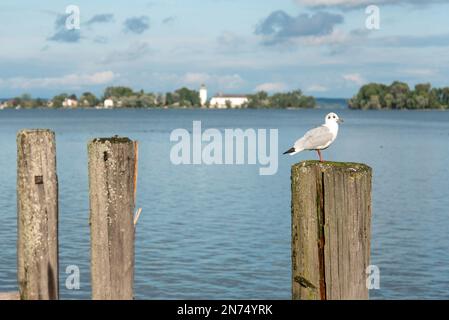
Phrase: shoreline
[223,109]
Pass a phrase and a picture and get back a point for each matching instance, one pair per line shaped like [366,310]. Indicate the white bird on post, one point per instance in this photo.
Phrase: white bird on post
[319,138]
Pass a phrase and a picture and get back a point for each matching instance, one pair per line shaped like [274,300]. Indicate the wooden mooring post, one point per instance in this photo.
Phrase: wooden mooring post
[9,296]
[112,173]
[37,210]
[331,229]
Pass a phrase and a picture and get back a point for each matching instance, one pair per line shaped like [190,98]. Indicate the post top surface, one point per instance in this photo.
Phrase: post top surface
[34,131]
[330,165]
[112,140]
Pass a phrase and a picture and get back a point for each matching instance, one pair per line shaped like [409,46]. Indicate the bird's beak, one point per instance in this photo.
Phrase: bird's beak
[340,121]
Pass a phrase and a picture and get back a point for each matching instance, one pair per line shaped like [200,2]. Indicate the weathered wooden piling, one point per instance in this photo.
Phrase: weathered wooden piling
[111,186]
[9,296]
[37,211]
[331,229]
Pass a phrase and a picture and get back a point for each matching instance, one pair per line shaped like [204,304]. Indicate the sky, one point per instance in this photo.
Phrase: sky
[322,47]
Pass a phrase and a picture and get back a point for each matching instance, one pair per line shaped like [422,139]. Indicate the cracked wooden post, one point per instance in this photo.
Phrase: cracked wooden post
[9,296]
[37,211]
[111,186]
[331,230]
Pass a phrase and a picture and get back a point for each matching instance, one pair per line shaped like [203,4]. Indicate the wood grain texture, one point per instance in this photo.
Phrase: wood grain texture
[305,260]
[9,296]
[37,212]
[111,187]
[331,230]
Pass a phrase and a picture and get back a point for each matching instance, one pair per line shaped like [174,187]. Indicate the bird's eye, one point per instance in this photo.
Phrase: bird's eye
[334,117]
[328,117]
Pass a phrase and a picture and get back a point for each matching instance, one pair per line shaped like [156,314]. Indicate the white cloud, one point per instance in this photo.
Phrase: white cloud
[229,39]
[271,87]
[317,3]
[280,27]
[135,51]
[192,78]
[316,88]
[233,81]
[355,78]
[336,37]
[421,72]
[67,81]
[230,81]
[361,3]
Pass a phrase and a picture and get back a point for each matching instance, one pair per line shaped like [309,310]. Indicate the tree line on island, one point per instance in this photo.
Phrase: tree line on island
[374,96]
[294,99]
[398,95]
[124,97]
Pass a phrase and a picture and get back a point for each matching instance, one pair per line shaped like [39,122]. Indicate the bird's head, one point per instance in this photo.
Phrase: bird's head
[333,118]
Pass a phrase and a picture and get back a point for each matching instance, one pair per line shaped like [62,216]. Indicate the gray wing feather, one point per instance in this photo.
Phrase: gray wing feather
[314,138]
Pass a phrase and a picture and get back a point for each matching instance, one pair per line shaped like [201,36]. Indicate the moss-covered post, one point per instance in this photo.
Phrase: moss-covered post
[37,215]
[331,230]
[111,186]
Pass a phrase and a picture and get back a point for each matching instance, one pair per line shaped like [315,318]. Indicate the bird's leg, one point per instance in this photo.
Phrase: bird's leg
[319,154]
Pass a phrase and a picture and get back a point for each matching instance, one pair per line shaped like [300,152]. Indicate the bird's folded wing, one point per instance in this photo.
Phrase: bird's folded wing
[314,138]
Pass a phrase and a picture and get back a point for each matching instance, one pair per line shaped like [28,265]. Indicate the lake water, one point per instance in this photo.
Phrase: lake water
[223,232]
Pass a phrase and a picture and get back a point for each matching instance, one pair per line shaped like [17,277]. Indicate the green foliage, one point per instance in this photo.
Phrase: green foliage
[88,99]
[117,92]
[188,98]
[399,96]
[24,101]
[27,102]
[258,100]
[59,99]
[125,97]
[294,99]
[40,103]
[228,104]
[169,99]
[182,97]
[146,100]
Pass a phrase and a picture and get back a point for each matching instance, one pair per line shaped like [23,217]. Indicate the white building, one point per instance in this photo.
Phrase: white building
[203,95]
[222,101]
[69,103]
[108,103]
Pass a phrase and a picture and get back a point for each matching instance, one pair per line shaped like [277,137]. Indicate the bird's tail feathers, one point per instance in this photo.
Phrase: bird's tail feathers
[292,151]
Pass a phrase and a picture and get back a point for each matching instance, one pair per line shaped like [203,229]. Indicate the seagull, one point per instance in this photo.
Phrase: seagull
[319,138]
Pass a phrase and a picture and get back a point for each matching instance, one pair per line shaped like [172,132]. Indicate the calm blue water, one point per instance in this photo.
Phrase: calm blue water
[223,232]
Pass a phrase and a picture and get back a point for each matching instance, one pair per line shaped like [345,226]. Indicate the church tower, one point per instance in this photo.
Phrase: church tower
[203,95]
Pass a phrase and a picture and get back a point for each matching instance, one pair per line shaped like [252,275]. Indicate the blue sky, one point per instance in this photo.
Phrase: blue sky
[319,46]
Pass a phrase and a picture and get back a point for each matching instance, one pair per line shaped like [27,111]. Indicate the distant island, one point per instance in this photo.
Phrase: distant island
[124,97]
[398,95]
[372,96]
